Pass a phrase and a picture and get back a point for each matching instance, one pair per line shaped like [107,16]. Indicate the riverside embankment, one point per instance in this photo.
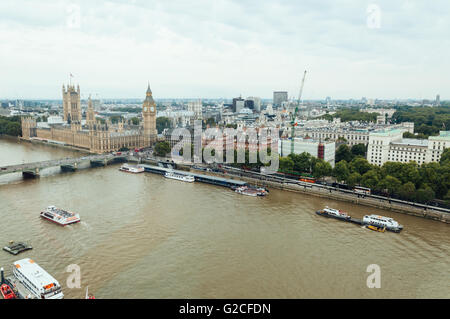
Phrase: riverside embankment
[337,194]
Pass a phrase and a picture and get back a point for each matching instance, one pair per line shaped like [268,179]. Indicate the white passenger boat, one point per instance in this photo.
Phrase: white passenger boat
[131,169]
[180,177]
[382,221]
[60,216]
[334,213]
[36,280]
[250,191]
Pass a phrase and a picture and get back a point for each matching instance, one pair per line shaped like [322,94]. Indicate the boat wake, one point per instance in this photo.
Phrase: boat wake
[85,225]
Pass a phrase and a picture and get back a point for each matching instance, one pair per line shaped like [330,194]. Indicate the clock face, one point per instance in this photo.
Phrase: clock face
[152,109]
[145,109]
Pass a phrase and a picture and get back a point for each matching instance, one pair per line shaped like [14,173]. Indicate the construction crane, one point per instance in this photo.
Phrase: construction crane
[294,115]
[301,88]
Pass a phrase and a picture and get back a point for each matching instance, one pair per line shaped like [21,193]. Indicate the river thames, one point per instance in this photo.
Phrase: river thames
[144,236]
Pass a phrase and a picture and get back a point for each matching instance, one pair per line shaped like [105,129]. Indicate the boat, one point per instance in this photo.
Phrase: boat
[180,177]
[250,191]
[88,296]
[37,281]
[375,228]
[334,213]
[382,221]
[7,292]
[60,216]
[131,169]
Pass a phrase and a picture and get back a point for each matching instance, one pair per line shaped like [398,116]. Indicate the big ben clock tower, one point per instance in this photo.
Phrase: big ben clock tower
[149,115]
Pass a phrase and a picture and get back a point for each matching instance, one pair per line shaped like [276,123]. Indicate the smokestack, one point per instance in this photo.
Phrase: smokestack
[3,277]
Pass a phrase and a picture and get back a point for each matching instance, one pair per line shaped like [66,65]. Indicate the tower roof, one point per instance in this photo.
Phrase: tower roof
[149,98]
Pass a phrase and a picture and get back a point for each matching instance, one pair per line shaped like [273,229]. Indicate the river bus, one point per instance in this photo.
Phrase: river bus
[131,169]
[382,222]
[36,280]
[180,177]
[60,216]
[334,213]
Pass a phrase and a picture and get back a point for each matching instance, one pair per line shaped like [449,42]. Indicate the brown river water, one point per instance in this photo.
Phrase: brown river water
[144,236]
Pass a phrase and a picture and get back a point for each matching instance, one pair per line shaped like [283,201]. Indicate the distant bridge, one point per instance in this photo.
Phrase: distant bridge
[66,164]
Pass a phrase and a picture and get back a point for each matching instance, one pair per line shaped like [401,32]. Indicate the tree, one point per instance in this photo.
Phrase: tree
[321,169]
[410,173]
[445,156]
[302,162]
[447,197]
[286,164]
[370,179]
[360,165]
[341,171]
[162,148]
[424,195]
[116,119]
[163,123]
[427,120]
[390,184]
[10,125]
[343,153]
[14,129]
[359,149]
[135,121]
[407,191]
[392,169]
[353,179]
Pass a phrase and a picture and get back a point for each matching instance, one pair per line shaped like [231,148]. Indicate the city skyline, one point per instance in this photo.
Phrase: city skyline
[224,49]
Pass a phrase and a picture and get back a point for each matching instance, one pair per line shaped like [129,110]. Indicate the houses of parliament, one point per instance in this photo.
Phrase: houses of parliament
[91,135]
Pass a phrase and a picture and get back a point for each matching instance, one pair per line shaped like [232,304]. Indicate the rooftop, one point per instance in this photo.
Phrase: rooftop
[412,142]
[35,273]
[443,135]
[388,131]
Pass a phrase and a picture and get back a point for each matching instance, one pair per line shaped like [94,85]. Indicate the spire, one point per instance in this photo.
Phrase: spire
[89,102]
[149,91]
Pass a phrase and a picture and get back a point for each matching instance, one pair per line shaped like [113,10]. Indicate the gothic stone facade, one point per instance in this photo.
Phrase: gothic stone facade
[93,136]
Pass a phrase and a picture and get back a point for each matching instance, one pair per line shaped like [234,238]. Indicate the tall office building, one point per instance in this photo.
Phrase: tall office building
[240,104]
[279,97]
[249,104]
[256,103]
[438,100]
[235,102]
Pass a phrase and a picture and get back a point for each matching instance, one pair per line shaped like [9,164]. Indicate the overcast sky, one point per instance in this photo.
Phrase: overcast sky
[224,48]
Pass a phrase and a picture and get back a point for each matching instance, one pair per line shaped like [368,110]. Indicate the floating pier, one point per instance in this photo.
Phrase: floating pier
[17,248]
[355,221]
[219,181]
[19,289]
